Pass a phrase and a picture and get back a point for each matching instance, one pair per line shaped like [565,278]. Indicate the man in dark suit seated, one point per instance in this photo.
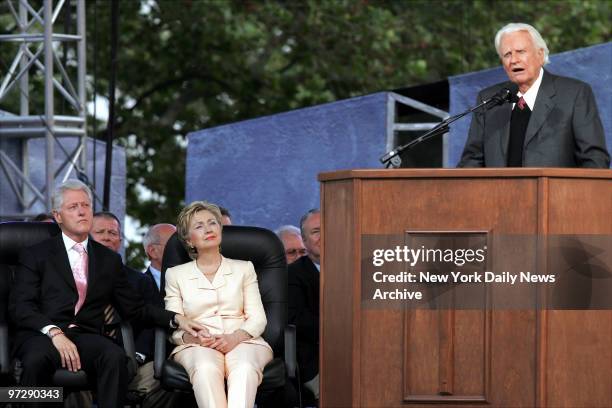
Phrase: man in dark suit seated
[107,231]
[154,243]
[62,286]
[304,301]
[554,121]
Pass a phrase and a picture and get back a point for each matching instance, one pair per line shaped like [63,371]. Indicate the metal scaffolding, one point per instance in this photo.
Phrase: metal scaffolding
[41,50]
[394,126]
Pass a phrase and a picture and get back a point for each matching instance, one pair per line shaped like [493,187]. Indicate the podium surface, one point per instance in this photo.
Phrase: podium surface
[394,357]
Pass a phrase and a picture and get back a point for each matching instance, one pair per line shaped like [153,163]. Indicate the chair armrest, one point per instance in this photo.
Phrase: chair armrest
[160,351]
[290,351]
[4,349]
[127,335]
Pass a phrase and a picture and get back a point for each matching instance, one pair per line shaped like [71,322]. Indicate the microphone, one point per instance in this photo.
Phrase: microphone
[506,94]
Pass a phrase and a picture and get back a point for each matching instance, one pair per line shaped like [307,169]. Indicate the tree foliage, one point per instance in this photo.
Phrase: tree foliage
[185,65]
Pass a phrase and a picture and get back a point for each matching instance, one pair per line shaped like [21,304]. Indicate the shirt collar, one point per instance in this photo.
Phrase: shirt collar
[532,93]
[69,243]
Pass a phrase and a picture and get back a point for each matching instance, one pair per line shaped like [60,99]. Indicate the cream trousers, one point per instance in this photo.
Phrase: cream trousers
[207,369]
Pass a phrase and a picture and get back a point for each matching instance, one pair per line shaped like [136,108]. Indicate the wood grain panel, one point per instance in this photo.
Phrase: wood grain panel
[340,293]
[579,362]
[579,354]
[484,173]
[425,361]
[393,206]
[585,209]
[508,358]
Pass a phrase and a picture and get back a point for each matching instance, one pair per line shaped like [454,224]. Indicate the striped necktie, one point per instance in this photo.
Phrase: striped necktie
[109,320]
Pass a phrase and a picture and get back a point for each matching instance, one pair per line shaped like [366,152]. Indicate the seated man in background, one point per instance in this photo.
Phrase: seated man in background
[62,287]
[291,238]
[43,217]
[154,243]
[226,217]
[107,230]
[304,300]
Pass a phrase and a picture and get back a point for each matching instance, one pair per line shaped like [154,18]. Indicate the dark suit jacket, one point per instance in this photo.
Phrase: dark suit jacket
[45,291]
[144,337]
[158,298]
[564,129]
[304,313]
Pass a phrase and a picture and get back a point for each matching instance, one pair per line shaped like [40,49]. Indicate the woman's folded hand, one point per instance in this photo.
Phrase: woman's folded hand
[227,342]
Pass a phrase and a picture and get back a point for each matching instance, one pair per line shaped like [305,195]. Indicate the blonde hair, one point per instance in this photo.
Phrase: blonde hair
[185,217]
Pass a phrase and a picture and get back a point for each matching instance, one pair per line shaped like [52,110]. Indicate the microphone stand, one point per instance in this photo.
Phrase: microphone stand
[392,158]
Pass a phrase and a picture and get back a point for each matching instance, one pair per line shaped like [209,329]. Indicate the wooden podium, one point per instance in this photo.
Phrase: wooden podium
[419,358]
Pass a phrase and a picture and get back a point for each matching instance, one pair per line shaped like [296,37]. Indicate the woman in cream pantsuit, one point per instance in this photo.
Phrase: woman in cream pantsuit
[221,294]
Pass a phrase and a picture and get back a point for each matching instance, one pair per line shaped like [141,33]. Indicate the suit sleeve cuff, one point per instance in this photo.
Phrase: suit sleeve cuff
[45,330]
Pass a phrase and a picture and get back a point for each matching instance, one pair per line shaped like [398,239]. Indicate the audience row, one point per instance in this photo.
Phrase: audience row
[71,291]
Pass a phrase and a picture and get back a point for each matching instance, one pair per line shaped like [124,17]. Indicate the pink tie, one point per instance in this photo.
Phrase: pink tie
[521,103]
[79,270]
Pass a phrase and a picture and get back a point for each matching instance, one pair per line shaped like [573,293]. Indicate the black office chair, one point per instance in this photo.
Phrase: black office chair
[263,248]
[14,236]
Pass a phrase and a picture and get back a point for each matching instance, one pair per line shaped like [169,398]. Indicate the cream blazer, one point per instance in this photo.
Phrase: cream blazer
[228,303]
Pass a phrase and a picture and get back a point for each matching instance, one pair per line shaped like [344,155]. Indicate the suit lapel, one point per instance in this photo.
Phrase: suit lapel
[91,268]
[543,105]
[62,263]
[224,269]
[505,112]
[219,279]
[150,275]
[195,277]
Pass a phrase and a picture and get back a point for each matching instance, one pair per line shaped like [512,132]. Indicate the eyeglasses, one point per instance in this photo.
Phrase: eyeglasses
[294,251]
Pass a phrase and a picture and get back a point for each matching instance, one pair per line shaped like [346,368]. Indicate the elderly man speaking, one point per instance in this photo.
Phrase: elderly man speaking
[552,122]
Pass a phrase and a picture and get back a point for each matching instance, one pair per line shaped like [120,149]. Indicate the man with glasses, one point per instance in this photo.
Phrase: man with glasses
[291,238]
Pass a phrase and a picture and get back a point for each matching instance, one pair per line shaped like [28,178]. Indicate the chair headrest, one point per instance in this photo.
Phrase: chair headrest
[16,235]
[258,245]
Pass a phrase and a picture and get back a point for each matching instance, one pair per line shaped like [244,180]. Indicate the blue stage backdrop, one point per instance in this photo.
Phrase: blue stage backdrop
[265,170]
[592,65]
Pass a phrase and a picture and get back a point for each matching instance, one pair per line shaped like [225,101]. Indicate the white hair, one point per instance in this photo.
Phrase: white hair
[287,230]
[152,236]
[71,184]
[538,41]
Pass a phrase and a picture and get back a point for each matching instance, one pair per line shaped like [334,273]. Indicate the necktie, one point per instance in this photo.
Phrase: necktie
[79,271]
[519,120]
[109,320]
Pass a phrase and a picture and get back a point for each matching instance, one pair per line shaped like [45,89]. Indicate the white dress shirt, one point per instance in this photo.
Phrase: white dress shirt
[532,93]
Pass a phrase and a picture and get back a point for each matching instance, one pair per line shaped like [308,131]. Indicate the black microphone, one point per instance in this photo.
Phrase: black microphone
[506,94]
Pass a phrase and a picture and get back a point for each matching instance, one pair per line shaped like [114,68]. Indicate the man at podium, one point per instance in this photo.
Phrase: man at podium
[551,122]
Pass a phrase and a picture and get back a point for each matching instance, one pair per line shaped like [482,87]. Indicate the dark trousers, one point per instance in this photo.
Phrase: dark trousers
[101,359]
